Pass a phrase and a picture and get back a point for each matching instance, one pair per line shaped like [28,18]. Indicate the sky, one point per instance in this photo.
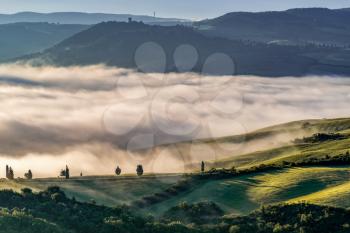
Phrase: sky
[189,9]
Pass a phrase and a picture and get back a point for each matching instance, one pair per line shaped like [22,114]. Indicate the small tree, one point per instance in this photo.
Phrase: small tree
[233,169]
[65,172]
[28,175]
[118,171]
[53,189]
[202,166]
[26,191]
[139,170]
[9,173]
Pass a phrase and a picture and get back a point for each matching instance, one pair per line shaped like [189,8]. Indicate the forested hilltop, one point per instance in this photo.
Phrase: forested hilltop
[115,44]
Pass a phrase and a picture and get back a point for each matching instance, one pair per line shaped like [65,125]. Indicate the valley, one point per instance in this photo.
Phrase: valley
[174,116]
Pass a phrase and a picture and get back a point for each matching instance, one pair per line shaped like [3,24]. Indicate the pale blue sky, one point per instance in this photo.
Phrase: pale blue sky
[192,9]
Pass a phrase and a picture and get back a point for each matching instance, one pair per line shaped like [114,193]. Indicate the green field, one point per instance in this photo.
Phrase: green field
[243,194]
[111,191]
[238,195]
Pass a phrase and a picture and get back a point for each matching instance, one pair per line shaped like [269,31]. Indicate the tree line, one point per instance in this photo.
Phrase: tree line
[342,159]
[10,174]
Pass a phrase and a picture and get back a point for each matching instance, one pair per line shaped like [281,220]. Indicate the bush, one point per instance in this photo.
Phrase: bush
[26,191]
[199,213]
[234,229]
[53,189]
[58,197]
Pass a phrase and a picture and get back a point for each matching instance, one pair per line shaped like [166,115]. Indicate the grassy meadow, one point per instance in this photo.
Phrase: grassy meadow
[239,195]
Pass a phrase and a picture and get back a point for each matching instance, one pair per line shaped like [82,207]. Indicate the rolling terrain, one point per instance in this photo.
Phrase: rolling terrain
[293,152]
[325,185]
[240,195]
[247,193]
[266,145]
[59,100]
[106,190]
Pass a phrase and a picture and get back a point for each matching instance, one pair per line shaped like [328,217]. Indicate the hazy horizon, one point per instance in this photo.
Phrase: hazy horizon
[186,9]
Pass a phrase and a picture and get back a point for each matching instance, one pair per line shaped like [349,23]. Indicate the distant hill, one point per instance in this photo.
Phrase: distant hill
[295,26]
[19,39]
[115,44]
[81,18]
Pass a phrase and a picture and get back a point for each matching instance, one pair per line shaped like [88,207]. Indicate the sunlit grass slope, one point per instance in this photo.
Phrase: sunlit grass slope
[240,195]
[295,152]
[338,195]
[240,150]
[243,194]
[109,191]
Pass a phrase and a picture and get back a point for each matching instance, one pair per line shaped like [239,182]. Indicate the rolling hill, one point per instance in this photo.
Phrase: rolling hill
[241,195]
[294,152]
[268,145]
[111,191]
[247,193]
[294,26]
[19,39]
[320,184]
[115,44]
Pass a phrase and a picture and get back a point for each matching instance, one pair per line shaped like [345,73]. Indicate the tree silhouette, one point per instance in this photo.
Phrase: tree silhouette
[202,167]
[29,175]
[118,171]
[65,172]
[9,173]
[139,170]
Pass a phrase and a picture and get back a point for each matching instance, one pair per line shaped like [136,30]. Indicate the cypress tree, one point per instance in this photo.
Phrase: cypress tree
[139,170]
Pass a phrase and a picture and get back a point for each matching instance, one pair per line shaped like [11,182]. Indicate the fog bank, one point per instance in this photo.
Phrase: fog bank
[94,117]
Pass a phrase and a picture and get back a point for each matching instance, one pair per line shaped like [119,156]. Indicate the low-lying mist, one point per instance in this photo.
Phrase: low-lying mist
[93,118]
